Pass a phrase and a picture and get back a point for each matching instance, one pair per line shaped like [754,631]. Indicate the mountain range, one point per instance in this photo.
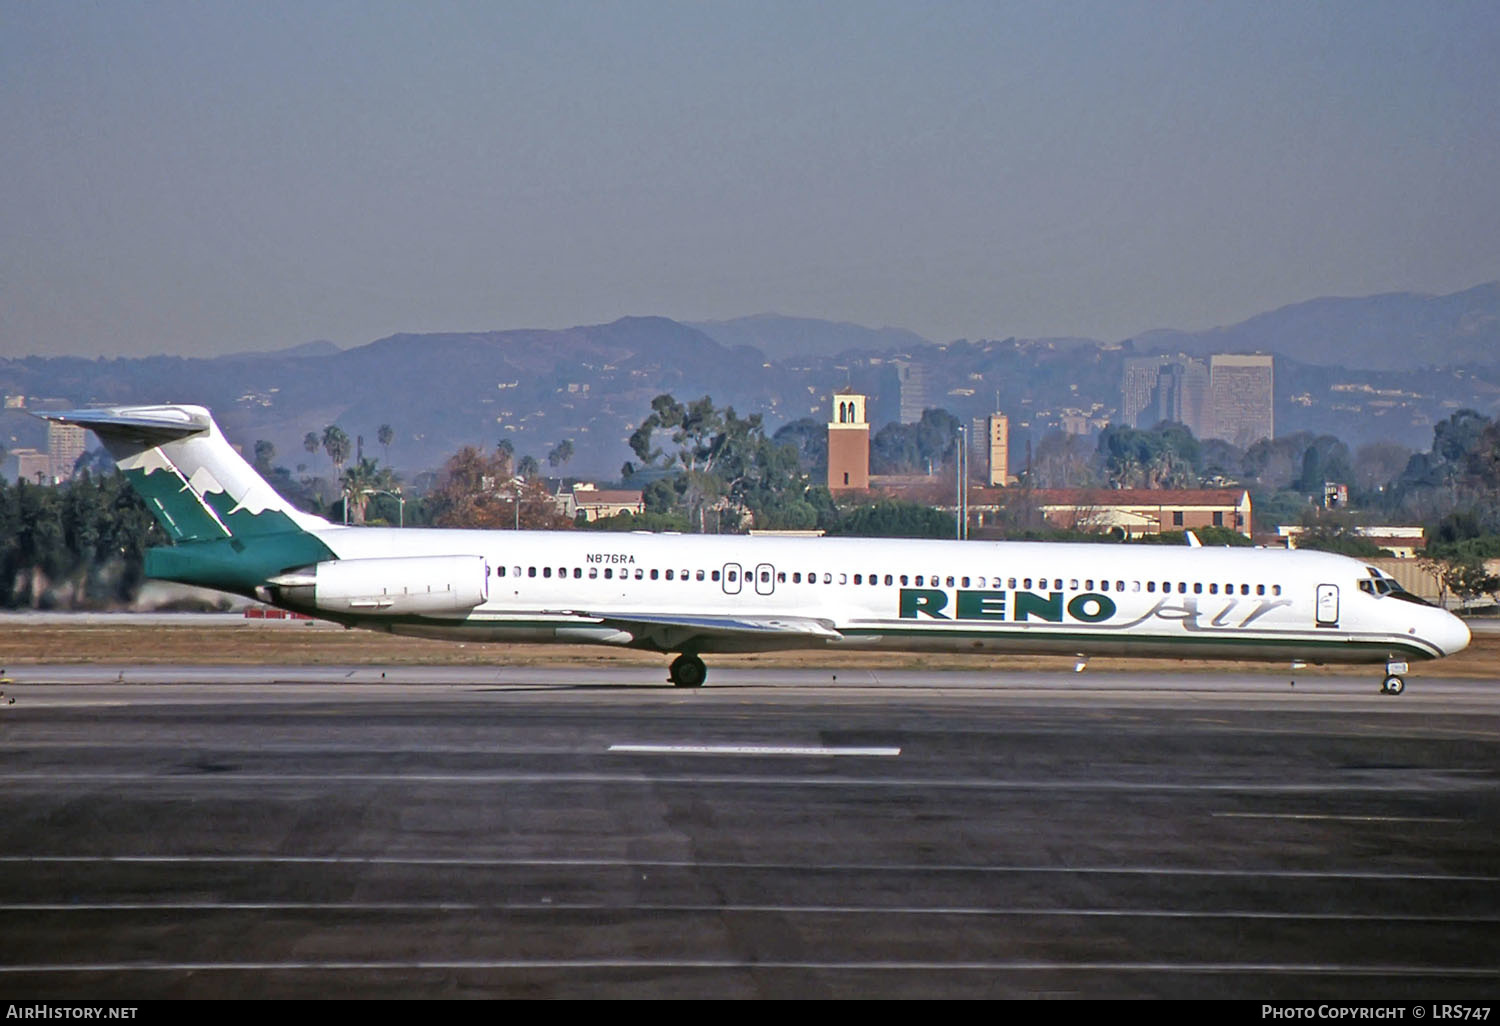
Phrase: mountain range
[1409,358]
[1391,331]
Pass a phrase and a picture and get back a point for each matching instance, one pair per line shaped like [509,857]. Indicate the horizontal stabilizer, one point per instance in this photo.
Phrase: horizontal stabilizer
[146,423]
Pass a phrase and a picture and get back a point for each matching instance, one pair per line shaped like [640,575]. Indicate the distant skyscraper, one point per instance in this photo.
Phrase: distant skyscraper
[1243,398]
[1182,396]
[65,443]
[979,448]
[1196,399]
[848,444]
[1138,389]
[912,379]
[1170,388]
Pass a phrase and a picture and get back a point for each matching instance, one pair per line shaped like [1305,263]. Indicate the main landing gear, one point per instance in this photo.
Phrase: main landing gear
[687,671]
[1393,683]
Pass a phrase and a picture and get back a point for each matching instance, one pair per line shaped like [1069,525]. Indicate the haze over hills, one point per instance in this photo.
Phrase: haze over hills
[318,347]
[1388,331]
[1391,331]
[1349,366]
[793,338]
[438,391]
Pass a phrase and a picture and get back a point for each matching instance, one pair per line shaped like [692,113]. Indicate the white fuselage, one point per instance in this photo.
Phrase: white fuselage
[693,594]
[918,595]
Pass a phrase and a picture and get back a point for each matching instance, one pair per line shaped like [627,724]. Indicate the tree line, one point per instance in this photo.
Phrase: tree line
[77,545]
[701,468]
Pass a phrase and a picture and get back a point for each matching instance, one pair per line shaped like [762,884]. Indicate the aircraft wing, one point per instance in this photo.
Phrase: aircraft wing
[671,629]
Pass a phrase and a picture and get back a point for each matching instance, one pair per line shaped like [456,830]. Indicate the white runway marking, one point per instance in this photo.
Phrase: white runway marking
[1335,817]
[779,867]
[174,776]
[753,750]
[811,910]
[1020,965]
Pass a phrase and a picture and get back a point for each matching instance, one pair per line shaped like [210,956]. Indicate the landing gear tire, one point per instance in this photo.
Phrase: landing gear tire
[1393,685]
[687,671]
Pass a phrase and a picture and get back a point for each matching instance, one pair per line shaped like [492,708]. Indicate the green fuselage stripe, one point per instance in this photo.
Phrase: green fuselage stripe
[1204,639]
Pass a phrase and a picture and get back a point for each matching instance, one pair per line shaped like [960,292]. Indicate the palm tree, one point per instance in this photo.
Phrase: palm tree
[337,445]
[562,454]
[385,436]
[361,482]
[265,456]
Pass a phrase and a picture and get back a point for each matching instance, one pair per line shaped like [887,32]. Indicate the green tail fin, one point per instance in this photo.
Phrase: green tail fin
[190,477]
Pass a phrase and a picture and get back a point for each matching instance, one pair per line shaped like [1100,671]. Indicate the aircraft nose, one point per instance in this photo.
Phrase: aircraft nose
[1452,634]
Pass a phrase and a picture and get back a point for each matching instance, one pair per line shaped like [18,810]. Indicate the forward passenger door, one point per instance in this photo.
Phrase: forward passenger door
[1328,605]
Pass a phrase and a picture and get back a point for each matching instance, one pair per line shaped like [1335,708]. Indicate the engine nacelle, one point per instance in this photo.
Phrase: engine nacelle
[390,587]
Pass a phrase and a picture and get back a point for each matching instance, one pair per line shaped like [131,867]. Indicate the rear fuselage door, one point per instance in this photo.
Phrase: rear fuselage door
[1328,605]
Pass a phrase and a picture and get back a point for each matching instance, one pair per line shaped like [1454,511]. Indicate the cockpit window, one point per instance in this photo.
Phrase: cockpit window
[1379,585]
[1405,596]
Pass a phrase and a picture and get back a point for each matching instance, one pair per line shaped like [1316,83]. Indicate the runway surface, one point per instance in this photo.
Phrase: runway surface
[493,832]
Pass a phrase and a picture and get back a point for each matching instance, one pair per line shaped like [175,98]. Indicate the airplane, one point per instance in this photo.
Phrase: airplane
[697,595]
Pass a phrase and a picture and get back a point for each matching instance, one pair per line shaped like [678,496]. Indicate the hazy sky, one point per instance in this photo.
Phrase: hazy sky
[205,177]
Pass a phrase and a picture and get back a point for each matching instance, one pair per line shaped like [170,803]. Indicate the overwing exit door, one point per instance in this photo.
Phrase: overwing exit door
[765,579]
[731,579]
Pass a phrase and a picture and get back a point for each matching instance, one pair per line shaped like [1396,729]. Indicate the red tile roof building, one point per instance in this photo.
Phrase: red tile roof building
[1133,512]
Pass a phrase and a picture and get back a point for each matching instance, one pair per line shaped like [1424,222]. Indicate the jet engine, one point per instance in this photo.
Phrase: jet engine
[395,586]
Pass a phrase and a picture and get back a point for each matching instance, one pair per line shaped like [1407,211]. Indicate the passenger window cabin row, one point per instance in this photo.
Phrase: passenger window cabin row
[1087,584]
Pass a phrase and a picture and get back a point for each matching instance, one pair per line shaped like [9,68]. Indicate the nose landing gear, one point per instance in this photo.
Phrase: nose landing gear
[1393,683]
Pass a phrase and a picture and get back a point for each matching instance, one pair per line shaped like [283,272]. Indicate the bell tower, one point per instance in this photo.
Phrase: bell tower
[848,444]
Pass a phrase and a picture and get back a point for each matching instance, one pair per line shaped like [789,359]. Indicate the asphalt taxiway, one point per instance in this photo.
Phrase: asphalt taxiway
[574,832]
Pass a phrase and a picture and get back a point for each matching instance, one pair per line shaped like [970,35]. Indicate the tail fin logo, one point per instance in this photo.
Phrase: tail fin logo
[190,477]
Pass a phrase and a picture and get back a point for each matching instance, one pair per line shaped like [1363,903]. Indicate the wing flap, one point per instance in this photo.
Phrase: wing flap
[672,629]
